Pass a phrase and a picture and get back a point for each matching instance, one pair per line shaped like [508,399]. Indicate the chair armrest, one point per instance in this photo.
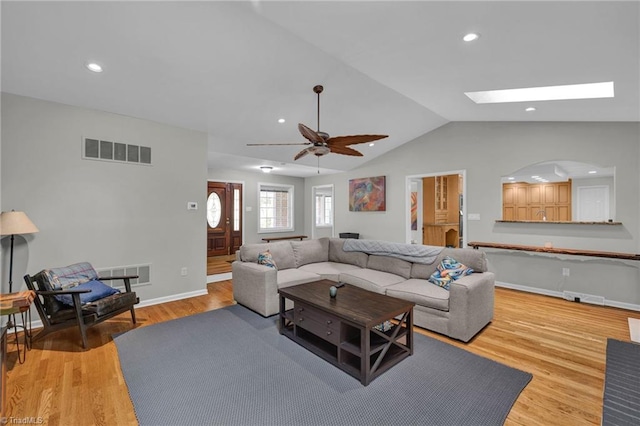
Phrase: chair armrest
[59,292]
[121,277]
[126,278]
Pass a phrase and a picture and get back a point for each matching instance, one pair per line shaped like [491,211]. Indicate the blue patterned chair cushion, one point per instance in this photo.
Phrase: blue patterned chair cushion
[448,271]
[98,289]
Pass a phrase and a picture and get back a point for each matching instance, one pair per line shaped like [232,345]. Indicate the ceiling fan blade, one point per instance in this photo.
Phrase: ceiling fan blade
[310,134]
[344,150]
[301,154]
[276,144]
[352,140]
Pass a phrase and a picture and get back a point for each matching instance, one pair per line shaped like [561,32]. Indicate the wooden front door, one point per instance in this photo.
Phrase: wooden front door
[224,218]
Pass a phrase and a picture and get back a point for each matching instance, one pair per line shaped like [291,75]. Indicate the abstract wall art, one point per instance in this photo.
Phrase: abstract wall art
[367,194]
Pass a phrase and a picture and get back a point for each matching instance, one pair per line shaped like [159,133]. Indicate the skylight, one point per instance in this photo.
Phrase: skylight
[548,93]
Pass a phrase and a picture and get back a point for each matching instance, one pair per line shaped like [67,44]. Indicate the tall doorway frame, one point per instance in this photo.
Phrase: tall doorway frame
[317,231]
[239,235]
[407,204]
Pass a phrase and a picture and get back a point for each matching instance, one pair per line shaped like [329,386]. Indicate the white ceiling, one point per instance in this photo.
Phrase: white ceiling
[231,69]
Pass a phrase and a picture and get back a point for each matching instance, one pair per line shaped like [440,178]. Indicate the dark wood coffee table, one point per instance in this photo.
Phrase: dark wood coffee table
[341,329]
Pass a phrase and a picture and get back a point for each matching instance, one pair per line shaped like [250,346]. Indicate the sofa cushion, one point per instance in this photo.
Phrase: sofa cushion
[293,276]
[281,252]
[390,264]
[337,254]
[370,279]
[329,270]
[474,259]
[310,251]
[421,292]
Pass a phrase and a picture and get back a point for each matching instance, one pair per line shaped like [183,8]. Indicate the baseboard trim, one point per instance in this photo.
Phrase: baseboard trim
[553,293]
[158,300]
[171,298]
[218,277]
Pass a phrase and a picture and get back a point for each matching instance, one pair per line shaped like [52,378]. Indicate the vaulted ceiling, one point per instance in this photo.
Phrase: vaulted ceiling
[232,69]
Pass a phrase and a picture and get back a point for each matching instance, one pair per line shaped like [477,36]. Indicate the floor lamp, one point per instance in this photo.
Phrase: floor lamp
[15,223]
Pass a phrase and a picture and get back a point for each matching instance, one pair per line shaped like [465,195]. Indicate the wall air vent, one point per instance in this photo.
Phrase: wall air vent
[97,149]
[143,271]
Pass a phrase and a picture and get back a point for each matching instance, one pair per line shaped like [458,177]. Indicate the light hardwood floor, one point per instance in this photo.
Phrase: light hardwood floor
[219,264]
[561,343]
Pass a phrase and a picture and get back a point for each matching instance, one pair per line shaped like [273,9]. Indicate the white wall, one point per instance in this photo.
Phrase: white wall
[489,150]
[108,213]
[250,182]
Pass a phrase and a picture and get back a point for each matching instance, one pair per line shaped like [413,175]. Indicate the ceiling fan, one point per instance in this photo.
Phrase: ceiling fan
[321,143]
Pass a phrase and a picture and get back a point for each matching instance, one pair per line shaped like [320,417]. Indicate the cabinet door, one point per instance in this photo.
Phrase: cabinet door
[534,213]
[564,213]
[563,193]
[534,195]
[548,194]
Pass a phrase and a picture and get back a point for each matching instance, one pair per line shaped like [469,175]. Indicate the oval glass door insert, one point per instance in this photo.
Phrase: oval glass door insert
[214,210]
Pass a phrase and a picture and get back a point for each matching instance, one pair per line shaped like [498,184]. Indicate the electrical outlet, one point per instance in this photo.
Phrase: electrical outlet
[183,272]
[566,272]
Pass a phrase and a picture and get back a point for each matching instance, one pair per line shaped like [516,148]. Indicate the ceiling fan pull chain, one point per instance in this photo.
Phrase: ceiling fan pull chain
[318,164]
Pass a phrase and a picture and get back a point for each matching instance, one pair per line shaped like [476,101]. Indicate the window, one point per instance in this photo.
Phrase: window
[276,208]
[324,213]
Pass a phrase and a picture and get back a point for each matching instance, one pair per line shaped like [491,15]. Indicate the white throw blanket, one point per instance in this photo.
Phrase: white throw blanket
[410,252]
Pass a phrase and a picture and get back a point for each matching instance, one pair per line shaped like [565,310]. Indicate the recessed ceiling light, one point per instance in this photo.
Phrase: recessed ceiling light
[530,109]
[266,169]
[593,172]
[371,144]
[511,178]
[281,120]
[471,37]
[92,66]
[547,93]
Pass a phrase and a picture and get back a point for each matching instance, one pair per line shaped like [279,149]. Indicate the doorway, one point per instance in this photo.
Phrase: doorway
[322,220]
[436,212]
[224,218]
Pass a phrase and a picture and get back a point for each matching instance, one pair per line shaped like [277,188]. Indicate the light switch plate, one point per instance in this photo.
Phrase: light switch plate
[473,216]
[192,205]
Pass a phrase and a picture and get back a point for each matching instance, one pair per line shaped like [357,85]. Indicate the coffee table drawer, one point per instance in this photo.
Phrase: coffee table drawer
[320,323]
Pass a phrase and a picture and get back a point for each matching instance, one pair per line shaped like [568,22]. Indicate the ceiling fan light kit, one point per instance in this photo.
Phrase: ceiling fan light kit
[322,143]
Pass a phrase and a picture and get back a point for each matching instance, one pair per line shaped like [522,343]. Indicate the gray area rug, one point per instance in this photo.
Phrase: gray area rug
[621,403]
[231,367]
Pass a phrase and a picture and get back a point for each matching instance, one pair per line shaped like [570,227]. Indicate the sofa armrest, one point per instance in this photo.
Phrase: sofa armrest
[471,300]
[253,284]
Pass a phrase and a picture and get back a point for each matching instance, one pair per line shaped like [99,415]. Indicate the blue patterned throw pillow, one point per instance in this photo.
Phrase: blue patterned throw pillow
[448,271]
[265,258]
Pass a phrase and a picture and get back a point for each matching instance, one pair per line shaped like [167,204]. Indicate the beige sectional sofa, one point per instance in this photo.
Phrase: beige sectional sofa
[460,312]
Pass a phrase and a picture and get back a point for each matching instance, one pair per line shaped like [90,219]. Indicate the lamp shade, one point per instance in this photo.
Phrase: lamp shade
[16,223]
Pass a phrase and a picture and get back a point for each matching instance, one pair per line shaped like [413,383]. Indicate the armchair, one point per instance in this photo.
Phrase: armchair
[75,296]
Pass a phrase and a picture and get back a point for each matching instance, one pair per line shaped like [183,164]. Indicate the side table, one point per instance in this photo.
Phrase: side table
[12,304]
